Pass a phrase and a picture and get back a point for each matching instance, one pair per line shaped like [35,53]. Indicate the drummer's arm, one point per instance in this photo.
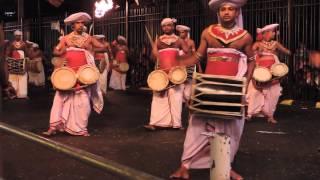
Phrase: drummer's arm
[98,46]
[250,54]
[193,50]
[60,48]
[109,51]
[283,49]
[198,55]
[155,52]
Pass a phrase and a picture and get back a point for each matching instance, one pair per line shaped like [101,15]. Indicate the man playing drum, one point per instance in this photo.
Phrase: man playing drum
[102,62]
[222,44]
[36,69]
[71,109]
[4,74]
[264,99]
[17,51]
[118,75]
[166,105]
[184,34]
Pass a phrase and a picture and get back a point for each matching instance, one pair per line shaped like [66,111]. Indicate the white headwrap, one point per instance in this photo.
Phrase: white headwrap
[17,33]
[168,21]
[80,16]
[269,27]
[99,36]
[216,4]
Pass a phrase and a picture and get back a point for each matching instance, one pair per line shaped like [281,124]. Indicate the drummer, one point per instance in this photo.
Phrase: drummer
[9,91]
[120,51]
[263,100]
[35,55]
[224,46]
[71,109]
[18,51]
[184,34]
[102,61]
[166,106]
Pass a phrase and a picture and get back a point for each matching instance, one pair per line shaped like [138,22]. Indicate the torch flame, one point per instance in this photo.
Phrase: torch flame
[102,7]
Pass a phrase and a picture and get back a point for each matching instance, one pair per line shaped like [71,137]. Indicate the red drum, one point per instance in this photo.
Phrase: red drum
[158,80]
[63,78]
[218,96]
[75,59]
[168,58]
[121,56]
[222,64]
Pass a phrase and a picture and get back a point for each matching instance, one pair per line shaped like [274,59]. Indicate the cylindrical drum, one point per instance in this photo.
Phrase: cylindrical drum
[88,74]
[158,80]
[34,65]
[177,75]
[279,69]
[168,58]
[262,74]
[63,78]
[123,67]
[16,66]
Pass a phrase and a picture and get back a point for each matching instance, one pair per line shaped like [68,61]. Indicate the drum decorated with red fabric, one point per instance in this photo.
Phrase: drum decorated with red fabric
[88,74]
[168,58]
[63,78]
[222,63]
[158,80]
[217,96]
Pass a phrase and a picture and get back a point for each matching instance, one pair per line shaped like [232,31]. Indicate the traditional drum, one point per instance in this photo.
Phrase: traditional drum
[123,67]
[16,66]
[262,74]
[88,74]
[158,80]
[34,65]
[63,78]
[177,75]
[168,58]
[217,96]
[279,70]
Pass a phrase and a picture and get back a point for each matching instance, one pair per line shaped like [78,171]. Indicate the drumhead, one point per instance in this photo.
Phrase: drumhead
[88,74]
[63,78]
[262,74]
[158,80]
[123,67]
[178,75]
[279,69]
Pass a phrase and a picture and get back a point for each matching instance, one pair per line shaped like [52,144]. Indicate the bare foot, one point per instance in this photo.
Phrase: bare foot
[181,173]
[272,120]
[150,127]
[50,132]
[235,176]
